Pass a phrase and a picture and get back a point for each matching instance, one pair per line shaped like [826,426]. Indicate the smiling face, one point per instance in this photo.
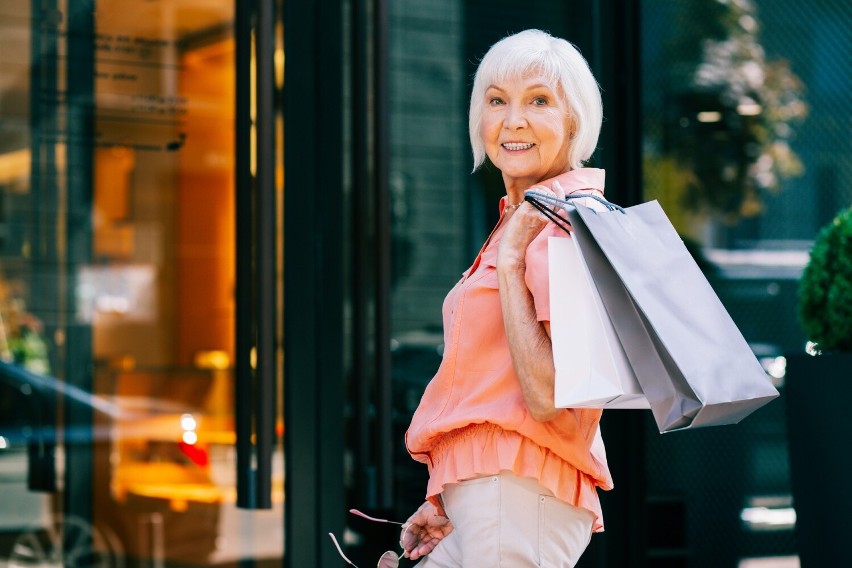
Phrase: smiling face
[526,130]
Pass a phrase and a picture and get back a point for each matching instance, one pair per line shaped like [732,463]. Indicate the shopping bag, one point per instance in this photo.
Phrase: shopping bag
[592,370]
[693,364]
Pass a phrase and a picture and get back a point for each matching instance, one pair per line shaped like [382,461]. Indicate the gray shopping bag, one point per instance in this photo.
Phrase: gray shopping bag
[693,364]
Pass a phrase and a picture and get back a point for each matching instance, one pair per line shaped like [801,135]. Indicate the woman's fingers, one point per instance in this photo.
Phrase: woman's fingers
[425,545]
[557,189]
[554,190]
[543,189]
[423,531]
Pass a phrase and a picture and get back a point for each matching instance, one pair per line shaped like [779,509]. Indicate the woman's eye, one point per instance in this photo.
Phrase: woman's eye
[495,101]
[540,101]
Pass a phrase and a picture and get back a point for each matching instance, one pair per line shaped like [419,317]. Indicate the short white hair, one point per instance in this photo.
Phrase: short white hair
[558,62]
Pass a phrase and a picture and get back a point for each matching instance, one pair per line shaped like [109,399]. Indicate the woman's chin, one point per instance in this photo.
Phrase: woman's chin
[514,172]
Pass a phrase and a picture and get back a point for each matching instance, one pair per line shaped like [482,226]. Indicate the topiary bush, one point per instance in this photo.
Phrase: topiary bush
[825,290]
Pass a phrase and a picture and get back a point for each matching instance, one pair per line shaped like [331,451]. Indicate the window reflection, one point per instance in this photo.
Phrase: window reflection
[141,281]
[741,146]
[722,145]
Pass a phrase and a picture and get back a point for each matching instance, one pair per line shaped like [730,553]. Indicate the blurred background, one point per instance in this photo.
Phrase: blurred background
[226,231]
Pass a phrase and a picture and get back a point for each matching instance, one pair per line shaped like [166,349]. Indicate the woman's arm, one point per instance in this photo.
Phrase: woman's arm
[529,339]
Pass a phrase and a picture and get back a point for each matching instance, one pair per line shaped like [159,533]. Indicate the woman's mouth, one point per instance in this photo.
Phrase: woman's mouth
[516,146]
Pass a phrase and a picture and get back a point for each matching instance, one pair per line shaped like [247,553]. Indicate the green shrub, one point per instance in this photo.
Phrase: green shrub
[825,290]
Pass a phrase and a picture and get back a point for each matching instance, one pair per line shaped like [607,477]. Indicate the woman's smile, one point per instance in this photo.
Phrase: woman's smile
[517,147]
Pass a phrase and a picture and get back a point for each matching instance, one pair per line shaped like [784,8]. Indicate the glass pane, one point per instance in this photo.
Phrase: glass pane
[429,213]
[746,146]
[117,268]
[441,213]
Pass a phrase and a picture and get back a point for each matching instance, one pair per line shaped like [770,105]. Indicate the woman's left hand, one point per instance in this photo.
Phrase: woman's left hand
[526,223]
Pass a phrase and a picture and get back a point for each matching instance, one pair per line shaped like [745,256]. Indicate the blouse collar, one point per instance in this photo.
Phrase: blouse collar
[588,179]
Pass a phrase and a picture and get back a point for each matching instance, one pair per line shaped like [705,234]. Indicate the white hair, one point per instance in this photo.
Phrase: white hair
[558,62]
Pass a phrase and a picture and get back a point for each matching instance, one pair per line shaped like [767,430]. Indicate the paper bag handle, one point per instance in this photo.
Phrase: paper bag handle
[541,201]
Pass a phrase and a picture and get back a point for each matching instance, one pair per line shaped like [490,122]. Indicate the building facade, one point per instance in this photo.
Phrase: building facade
[227,228]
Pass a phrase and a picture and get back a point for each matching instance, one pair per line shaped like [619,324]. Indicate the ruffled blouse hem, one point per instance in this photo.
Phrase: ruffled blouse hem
[486,449]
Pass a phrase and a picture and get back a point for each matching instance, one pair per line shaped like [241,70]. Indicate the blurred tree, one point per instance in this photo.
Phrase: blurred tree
[727,136]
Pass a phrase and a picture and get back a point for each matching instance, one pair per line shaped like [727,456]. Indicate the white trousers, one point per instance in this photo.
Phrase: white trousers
[509,522]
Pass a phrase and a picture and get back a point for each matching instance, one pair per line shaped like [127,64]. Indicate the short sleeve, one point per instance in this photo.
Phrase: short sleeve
[537,275]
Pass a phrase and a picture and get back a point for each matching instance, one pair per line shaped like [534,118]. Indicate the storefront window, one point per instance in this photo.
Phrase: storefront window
[117,275]
[743,145]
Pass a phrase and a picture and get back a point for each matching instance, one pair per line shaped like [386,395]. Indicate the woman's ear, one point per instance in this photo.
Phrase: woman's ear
[571,126]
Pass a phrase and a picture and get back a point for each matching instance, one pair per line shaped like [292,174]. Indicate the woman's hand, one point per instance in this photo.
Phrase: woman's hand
[423,530]
[526,223]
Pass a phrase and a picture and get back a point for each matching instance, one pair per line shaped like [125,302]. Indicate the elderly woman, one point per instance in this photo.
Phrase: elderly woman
[512,479]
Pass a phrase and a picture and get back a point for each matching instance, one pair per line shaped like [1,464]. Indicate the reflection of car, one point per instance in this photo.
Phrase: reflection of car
[156,465]
[28,420]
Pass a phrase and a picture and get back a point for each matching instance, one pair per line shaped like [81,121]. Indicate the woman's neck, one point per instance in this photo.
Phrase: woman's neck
[515,187]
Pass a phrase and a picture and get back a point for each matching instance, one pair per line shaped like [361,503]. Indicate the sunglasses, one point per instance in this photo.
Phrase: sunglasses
[389,559]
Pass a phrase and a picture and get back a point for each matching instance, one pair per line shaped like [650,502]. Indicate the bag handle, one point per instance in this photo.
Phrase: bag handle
[549,213]
[562,203]
[543,202]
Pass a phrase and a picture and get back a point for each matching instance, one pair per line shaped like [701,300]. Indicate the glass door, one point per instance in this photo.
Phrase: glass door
[119,293]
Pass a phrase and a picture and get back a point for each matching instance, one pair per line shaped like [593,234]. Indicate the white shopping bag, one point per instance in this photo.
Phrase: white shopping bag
[592,370]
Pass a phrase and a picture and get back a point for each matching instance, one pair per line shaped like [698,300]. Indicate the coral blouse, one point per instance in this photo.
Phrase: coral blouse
[472,419]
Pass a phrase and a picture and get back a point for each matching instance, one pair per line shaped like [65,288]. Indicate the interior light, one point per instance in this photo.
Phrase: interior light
[14,165]
[777,367]
[749,109]
[216,359]
[709,116]
[190,438]
[784,517]
[279,67]
[188,422]
[3,443]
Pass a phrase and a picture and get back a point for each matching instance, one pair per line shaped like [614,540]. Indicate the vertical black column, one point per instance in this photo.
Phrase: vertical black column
[381,161]
[80,73]
[608,34]
[40,226]
[244,285]
[313,291]
[256,236]
[45,103]
[617,65]
[363,253]
[371,238]
[266,260]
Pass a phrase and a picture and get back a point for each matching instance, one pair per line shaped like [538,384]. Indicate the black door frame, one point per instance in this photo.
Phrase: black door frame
[609,33]
[313,292]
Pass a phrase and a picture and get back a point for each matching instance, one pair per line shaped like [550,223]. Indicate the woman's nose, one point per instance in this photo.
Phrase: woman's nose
[515,117]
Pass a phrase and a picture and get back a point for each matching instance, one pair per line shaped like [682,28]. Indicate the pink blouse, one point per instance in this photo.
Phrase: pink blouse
[472,419]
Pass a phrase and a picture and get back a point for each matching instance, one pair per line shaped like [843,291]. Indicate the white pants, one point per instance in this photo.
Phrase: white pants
[510,522]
